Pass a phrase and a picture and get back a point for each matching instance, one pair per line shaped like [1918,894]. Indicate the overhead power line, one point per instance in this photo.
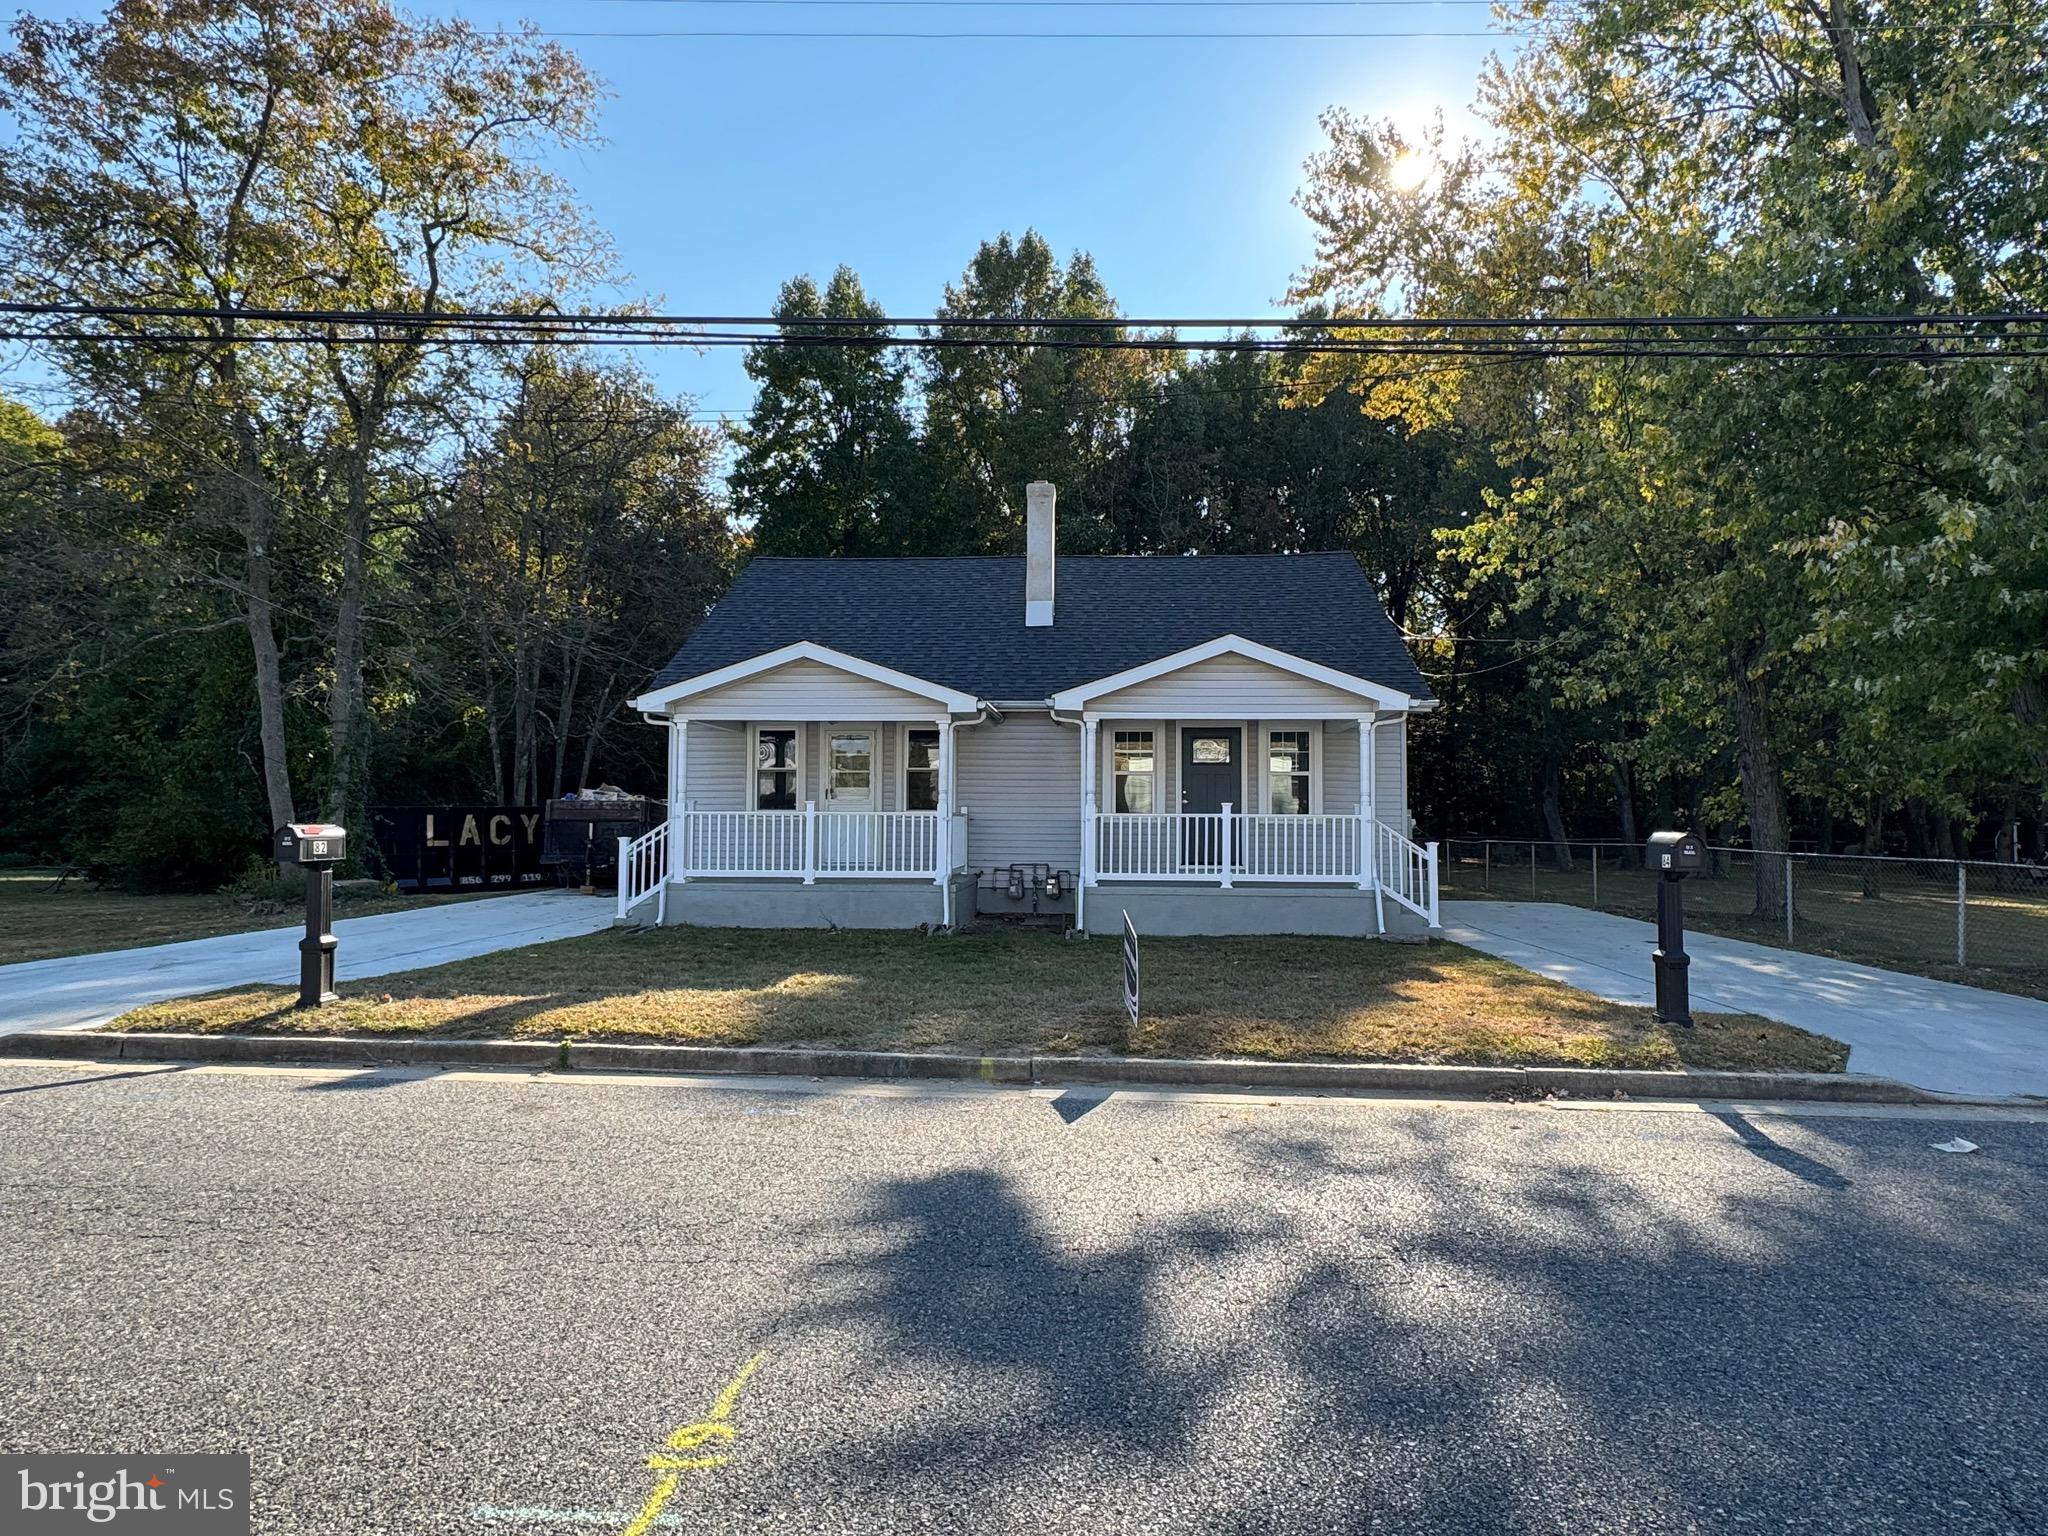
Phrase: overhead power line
[403,317]
[1925,337]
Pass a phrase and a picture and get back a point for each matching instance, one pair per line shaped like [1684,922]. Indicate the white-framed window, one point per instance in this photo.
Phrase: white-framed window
[1287,773]
[1291,768]
[921,768]
[1134,771]
[777,764]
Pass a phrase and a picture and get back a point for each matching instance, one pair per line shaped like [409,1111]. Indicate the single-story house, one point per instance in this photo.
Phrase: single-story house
[1213,744]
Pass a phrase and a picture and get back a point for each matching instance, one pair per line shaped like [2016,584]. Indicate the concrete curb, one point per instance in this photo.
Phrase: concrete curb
[1313,1077]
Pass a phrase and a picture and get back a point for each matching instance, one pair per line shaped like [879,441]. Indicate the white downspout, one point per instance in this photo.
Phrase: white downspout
[942,841]
[1369,843]
[1089,736]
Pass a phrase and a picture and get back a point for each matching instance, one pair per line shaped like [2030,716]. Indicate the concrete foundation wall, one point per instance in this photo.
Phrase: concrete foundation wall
[792,904]
[1172,910]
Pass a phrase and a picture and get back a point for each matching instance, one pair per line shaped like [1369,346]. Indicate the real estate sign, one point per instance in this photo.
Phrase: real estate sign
[1130,970]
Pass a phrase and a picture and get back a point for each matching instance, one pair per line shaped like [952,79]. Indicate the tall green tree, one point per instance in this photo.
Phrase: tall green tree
[1015,402]
[828,462]
[576,546]
[1716,518]
[248,154]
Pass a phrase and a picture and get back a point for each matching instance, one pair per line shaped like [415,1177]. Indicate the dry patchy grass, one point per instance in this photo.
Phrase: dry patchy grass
[998,991]
[41,919]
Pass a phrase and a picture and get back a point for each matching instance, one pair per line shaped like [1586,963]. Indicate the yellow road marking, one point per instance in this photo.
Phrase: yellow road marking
[713,1426]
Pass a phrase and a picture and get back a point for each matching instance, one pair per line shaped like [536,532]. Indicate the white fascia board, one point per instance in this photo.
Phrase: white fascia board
[1381,696]
[805,650]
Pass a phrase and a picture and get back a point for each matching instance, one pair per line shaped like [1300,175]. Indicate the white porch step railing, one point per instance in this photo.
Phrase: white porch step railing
[643,867]
[1407,871]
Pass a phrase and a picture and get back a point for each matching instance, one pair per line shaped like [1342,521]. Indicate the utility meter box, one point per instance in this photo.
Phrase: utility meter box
[1677,853]
[310,843]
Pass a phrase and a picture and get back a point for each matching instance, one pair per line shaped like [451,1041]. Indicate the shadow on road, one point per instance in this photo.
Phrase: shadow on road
[1474,1336]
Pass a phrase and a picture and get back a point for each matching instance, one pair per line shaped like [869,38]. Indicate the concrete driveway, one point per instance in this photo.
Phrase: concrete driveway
[1932,1034]
[82,990]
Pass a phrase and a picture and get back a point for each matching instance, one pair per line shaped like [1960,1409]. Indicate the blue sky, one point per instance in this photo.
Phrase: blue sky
[736,163]
[733,164]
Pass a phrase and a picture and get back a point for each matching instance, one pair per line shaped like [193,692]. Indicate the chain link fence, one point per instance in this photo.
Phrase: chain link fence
[1981,923]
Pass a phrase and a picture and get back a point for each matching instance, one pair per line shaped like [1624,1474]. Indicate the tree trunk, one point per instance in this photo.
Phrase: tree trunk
[500,790]
[1553,818]
[565,710]
[345,694]
[1763,787]
[257,531]
[1873,844]
[1916,830]
[1625,806]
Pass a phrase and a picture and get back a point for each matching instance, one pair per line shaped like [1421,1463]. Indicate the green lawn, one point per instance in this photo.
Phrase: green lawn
[999,990]
[1900,922]
[41,919]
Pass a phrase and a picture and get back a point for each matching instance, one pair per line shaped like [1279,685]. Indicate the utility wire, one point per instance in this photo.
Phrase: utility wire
[1016,322]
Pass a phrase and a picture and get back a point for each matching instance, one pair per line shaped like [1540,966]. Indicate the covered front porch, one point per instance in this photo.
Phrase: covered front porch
[1291,816]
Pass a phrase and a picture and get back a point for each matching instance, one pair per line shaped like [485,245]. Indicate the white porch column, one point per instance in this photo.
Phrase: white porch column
[678,790]
[942,844]
[1368,837]
[1089,736]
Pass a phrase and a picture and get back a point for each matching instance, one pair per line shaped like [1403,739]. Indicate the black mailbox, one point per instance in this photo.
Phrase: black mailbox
[312,843]
[1676,853]
[1673,855]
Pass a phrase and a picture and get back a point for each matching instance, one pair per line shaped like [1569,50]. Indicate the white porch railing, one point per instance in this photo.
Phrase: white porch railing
[1228,848]
[1407,871]
[810,844]
[803,844]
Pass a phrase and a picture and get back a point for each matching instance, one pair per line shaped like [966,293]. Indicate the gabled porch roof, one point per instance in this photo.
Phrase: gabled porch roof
[664,697]
[1372,695]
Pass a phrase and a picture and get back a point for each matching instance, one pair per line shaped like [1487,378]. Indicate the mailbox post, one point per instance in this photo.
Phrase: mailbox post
[1674,855]
[316,848]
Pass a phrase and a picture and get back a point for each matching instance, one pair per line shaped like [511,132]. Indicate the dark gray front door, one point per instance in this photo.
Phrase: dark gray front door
[1211,773]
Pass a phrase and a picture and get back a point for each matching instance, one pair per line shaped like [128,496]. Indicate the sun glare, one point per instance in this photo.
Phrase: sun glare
[1409,171]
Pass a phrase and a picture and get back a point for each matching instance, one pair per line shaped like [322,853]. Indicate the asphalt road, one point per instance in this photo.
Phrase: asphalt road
[464,1303]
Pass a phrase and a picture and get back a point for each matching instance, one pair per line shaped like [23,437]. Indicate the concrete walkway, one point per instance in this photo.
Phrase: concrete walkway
[1932,1034]
[82,990]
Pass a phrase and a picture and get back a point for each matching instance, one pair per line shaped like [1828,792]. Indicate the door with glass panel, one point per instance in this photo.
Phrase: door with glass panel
[1211,777]
[847,835]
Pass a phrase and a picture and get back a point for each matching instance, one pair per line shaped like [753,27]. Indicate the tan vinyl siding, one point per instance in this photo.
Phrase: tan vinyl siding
[1229,688]
[1390,780]
[716,776]
[721,764]
[1020,784]
[807,690]
[1340,769]
[1340,772]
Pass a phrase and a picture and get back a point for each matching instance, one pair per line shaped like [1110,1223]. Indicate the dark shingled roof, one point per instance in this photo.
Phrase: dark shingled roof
[959,622]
